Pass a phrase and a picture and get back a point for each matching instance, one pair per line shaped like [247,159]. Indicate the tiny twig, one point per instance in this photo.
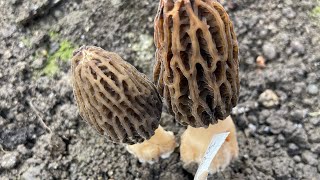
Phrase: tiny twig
[314,114]
[39,116]
[1,148]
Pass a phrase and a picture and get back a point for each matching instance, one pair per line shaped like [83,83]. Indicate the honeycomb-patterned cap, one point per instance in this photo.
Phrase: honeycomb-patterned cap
[113,97]
[197,66]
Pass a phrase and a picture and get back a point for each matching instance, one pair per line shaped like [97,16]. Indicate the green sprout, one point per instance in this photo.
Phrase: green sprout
[27,42]
[315,14]
[53,35]
[315,11]
[64,53]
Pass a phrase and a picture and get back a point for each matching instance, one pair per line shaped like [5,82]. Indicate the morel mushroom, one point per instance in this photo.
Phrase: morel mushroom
[196,68]
[118,101]
[113,97]
[196,72]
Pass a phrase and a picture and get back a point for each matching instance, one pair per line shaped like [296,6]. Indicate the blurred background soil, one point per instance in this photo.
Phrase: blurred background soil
[43,137]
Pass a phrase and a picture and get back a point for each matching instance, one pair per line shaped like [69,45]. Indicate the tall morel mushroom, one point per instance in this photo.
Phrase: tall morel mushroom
[196,72]
[196,68]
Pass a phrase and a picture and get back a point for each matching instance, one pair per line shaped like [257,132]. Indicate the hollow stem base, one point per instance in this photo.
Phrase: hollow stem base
[161,144]
[194,143]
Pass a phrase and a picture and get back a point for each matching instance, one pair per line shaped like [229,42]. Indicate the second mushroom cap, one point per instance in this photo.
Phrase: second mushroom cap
[196,68]
[113,97]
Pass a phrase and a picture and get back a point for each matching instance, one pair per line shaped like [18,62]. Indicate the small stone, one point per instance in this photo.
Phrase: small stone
[242,122]
[7,54]
[309,158]
[252,128]
[269,51]
[280,167]
[310,172]
[2,122]
[293,149]
[298,87]
[313,89]
[277,124]
[263,165]
[72,19]
[314,135]
[281,139]
[37,9]
[7,30]
[116,3]
[110,173]
[289,13]
[298,47]
[297,115]
[20,117]
[57,13]
[316,148]
[9,160]
[296,134]
[21,66]
[38,63]
[315,121]
[263,32]
[297,159]
[38,38]
[44,52]
[22,149]
[15,2]
[269,99]
[261,62]
[31,173]
[57,144]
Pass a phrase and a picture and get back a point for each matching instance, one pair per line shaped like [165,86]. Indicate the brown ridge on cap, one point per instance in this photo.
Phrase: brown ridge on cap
[197,63]
[113,97]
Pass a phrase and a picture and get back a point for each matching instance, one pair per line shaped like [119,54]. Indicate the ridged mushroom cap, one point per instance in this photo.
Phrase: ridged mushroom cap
[197,64]
[113,97]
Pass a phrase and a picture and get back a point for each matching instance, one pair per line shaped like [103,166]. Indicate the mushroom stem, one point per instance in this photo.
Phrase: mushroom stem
[161,144]
[194,143]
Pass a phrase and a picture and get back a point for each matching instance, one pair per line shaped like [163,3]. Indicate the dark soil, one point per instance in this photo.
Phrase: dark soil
[278,129]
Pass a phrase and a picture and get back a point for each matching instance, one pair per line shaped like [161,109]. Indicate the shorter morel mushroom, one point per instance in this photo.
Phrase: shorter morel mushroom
[115,99]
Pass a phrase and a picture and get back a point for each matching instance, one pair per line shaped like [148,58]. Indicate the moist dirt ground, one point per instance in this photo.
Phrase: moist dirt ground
[43,137]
